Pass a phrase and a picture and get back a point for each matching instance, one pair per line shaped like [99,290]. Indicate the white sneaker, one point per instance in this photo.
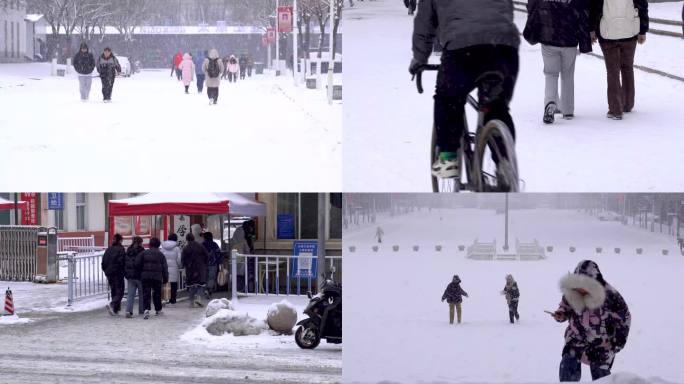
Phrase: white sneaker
[147,314]
[446,168]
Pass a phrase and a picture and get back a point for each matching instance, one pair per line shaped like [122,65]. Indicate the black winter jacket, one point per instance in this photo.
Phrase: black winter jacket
[596,13]
[194,259]
[113,260]
[558,23]
[108,68]
[461,24]
[453,293]
[131,271]
[84,63]
[151,264]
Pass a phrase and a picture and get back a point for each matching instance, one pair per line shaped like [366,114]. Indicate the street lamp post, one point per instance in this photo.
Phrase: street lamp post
[331,65]
[277,39]
[295,55]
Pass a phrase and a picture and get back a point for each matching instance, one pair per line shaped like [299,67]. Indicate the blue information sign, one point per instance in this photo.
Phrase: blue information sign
[56,201]
[304,262]
[286,226]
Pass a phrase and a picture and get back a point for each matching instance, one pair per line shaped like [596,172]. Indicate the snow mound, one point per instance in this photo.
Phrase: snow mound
[282,317]
[215,305]
[13,319]
[235,322]
[630,378]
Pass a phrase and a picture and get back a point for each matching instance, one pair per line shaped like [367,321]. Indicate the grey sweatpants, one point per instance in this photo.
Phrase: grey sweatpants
[85,82]
[560,61]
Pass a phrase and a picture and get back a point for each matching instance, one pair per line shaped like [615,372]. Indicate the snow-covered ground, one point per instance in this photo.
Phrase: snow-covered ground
[92,347]
[398,331]
[264,132]
[670,10]
[387,124]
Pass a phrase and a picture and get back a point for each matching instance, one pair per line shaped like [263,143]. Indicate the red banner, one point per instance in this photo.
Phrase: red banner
[270,35]
[29,216]
[285,19]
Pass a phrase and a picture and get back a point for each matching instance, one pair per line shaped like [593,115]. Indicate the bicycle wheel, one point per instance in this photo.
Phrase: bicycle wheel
[495,168]
[440,185]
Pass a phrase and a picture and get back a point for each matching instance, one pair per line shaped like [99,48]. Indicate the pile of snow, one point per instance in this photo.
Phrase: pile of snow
[629,378]
[282,317]
[235,322]
[13,319]
[215,305]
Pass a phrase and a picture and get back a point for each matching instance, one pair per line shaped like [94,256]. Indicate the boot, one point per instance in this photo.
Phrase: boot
[510,317]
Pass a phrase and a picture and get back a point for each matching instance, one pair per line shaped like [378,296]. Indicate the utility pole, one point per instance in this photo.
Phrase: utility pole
[295,55]
[277,35]
[331,65]
[321,239]
[506,226]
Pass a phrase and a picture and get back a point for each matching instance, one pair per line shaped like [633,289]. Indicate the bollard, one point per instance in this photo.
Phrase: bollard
[375,248]
[599,249]
[415,248]
[395,248]
[438,248]
[572,249]
[9,303]
[617,250]
[665,252]
[53,67]
[352,249]
[461,248]
[549,248]
[639,251]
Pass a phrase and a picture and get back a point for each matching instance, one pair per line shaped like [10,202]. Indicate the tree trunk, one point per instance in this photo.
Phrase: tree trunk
[321,39]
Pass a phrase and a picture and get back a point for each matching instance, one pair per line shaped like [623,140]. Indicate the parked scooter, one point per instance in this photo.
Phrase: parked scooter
[325,317]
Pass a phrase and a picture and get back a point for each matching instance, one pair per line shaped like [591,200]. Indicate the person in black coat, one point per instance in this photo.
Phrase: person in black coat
[453,294]
[194,259]
[214,262]
[108,67]
[132,275]
[153,272]
[113,265]
[84,64]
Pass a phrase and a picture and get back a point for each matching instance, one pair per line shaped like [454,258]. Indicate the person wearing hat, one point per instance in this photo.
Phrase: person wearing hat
[512,296]
[453,294]
[84,64]
[598,322]
[108,67]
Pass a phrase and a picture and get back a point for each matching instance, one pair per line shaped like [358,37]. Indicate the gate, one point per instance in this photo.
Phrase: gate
[82,270]
[18,248]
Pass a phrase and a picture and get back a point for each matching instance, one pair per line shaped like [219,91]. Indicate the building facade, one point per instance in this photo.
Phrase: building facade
[12,31]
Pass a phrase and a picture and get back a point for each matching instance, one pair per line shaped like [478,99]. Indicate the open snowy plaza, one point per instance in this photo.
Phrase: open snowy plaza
[388,124]
[399,330]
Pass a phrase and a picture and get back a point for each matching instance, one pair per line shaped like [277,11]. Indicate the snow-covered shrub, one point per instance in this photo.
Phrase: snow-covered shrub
[218,304]
[375,248]
[438,248]
[282,317]
[352,249]
[235,322]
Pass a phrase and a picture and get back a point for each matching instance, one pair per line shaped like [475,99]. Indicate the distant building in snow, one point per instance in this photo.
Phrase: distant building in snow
[12,32]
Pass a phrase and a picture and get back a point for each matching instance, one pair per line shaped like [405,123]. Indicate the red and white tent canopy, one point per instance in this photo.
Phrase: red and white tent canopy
[7,204]
[158,203]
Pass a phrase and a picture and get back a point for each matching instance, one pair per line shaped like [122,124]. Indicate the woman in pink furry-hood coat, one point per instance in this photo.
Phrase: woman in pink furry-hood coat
[188,71]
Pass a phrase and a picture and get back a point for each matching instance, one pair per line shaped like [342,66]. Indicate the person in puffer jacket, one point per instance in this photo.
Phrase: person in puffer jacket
[187,68]
[133,277]
[453,295]
[480,50]
[154,273]
[598,322]
[512,294]
[108,67]
[113,266]
[214,262]
[172,253]
[84,64]
[618,25]
[560,26]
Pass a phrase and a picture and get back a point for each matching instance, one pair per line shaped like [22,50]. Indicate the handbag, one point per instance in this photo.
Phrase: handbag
[222,277]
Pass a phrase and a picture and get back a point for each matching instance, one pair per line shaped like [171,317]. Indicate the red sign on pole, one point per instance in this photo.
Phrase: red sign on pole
[270,35]
[30,215]
[285,19]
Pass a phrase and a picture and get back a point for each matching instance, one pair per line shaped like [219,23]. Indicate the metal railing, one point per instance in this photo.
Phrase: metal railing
[276,274]
[67,243]
[83,272]
[18,246]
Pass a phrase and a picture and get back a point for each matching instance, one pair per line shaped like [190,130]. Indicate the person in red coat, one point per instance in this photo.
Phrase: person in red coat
[177,60]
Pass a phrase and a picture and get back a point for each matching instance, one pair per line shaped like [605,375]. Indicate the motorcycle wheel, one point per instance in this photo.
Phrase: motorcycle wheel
[307,338]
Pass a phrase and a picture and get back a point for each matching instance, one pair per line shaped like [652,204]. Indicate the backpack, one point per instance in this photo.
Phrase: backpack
[213,68]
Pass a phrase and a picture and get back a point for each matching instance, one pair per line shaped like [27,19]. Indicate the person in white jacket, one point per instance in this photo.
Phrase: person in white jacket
[172,253]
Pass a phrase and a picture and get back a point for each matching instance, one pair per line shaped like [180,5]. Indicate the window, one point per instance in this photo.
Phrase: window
[59,219]
[335,216]
[302,209]
[81,224]
[12,28]
[5,216]
[308,218]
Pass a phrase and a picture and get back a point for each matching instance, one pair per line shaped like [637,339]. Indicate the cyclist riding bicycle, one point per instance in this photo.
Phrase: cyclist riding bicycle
[480,50]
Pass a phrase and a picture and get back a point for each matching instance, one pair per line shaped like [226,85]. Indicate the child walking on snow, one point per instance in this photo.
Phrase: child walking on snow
[512,296]
[453,295]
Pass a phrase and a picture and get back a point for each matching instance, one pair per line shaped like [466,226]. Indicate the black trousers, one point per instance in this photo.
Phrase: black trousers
[174,293]
[116,287]
[492,69]
[107,87]
[213,92]
[152,292]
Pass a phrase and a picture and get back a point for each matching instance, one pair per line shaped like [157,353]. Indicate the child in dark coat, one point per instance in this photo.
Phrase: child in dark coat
[512,296]
[453,295]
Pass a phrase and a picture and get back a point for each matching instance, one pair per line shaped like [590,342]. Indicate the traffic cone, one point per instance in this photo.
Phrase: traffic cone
[9,303]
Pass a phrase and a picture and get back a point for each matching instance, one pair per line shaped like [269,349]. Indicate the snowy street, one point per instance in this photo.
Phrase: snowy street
[264,132]
[396,298]
[92,346]
[390,127]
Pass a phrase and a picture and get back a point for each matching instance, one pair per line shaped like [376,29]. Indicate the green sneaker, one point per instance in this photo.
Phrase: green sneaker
[446,166]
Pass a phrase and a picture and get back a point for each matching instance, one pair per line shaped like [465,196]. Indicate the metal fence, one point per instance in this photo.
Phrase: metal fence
[68,243]
[82,270]
[18,246]
[278,274]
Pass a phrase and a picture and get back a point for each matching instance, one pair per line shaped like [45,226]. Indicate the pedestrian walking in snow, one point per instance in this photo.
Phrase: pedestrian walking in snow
[113,265]
[250,65]
[172,253]
[214,262]
[108,67]
[199,69]
[225,67]
[84,64]
[233,68]
[249,232]
[560,27]
[243,66]
[598,322]
[480,43]
[132,274]
[618,25]
[187,68]
[194,259]
[175,65]
[379,233]
[154,273]
[512,294]
[453,294]
[213,68]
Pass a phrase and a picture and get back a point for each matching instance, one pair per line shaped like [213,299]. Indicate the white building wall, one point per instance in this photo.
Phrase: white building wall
[12,34]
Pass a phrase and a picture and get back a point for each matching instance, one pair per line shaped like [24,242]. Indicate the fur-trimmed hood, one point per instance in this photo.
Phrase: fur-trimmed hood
[593,300]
